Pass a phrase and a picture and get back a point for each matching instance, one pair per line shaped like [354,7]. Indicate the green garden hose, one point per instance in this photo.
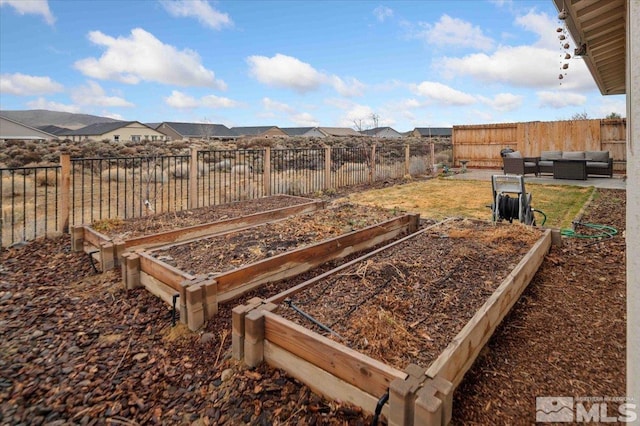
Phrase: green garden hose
[606,231]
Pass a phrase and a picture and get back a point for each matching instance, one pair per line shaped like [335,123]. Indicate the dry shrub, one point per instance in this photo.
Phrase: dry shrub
[46,177]
[418,166]
[156,176]
[115,174]
[20,186]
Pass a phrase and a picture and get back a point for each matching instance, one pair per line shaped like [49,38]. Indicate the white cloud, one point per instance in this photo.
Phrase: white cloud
[609,104]
[181,100]
[504,102]
[271,105]
[303,119]
[285,72]
[382,12]
[291,73]
[560,99]
[199,9]
[357,115]
[42,103]
[27,85]
[537,65]
[35,7]
[93,94]
[523,66]
[142,57]
[350,88]
[450,31]
[213,101]
[443,94]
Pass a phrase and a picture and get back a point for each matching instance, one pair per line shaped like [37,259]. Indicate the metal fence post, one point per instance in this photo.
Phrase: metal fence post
[193,178]
[266,171]
[65,192]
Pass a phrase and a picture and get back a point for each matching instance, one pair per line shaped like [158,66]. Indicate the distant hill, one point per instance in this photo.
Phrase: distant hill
[41,117]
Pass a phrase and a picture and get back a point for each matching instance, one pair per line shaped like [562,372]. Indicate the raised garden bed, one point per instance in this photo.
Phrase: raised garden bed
[108,239]
[203,272]
[408,319]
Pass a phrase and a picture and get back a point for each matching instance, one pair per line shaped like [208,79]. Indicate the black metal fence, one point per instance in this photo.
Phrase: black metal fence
[38,201]
[29,199]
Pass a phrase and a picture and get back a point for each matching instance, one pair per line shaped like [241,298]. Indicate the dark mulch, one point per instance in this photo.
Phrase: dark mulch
[76,348]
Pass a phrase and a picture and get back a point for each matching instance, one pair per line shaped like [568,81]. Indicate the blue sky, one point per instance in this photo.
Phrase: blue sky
[295,63]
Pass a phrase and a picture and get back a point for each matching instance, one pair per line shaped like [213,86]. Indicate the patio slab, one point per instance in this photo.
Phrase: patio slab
[615,182]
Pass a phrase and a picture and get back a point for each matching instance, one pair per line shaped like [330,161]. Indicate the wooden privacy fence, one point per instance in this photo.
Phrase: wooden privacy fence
[41,201]
[481,144]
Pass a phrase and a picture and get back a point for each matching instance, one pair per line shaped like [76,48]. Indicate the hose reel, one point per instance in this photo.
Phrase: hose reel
[510,200]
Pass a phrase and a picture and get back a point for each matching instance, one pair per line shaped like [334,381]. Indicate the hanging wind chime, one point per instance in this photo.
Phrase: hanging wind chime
[564,44]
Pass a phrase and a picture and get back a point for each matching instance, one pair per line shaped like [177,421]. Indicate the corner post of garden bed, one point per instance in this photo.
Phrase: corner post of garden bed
[238,315]
[266,171]
[77,238]
[402,396]
[434,405]
[65,192]
[131,270]
[107,258]
[254,327]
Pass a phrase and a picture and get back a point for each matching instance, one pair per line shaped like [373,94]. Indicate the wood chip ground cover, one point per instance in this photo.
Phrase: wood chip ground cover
[405,304]
[77,349]
[235,249]
[153,224]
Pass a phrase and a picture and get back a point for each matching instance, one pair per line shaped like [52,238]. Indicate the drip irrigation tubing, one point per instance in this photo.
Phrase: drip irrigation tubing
[289,303]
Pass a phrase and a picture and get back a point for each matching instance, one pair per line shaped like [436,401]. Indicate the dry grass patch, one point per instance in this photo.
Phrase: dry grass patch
[439,199]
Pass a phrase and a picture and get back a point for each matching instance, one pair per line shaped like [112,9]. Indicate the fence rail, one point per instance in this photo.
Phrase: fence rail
[42,201]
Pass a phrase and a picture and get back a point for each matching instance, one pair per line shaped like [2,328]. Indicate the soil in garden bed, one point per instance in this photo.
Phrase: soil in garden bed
[232,250]
[405,305]
[169,221]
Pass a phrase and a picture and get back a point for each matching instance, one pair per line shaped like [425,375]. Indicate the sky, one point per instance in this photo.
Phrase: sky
[358,64]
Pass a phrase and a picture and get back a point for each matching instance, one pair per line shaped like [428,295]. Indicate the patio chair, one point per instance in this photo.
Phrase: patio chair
[515,164]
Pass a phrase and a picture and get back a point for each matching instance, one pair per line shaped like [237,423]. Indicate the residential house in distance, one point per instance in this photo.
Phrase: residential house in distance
[259,131]
[118,131]
[13,130]
[382,132]
[339,131]
[176,131]
[430,132]
[306,132]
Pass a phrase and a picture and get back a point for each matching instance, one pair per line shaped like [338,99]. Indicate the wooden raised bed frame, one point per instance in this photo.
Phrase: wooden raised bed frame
[108,251]
[199,295]
[417,396]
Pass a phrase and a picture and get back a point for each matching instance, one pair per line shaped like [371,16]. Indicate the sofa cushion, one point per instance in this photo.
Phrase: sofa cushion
[545,163]
[530,164]
[551,155]
[597,165]
[599,156]
[573,155]
[514,154]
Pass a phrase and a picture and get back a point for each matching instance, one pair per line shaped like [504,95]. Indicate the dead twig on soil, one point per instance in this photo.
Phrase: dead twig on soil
[122,359]
[224,336]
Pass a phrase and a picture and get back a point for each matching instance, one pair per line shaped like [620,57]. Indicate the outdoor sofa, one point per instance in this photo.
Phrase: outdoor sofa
[515,164]
[598,162]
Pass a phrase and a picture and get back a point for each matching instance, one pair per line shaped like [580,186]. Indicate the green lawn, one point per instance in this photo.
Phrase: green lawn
[439,198]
